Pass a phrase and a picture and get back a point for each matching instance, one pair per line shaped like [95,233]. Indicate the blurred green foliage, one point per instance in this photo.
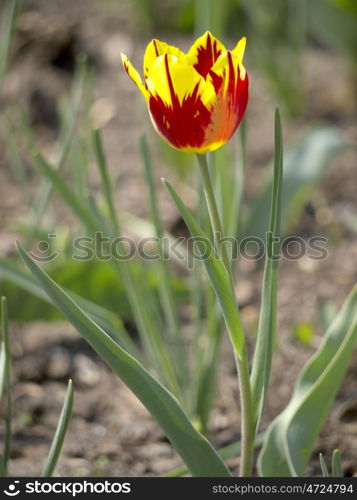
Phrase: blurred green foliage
[96,281]
[304,333]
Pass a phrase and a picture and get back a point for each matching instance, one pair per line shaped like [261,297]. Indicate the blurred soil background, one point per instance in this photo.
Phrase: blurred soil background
[111,434]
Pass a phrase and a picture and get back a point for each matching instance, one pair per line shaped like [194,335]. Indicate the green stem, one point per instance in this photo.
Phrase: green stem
[213,210]
[242,363]
[247,416]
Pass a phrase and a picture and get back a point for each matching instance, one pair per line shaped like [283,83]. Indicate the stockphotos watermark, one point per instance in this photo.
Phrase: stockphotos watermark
[187,250]
[66,487]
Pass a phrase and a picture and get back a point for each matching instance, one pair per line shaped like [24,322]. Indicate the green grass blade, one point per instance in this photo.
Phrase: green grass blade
[10,12]
[323,466]
[78,155]
[16,162]
[336,464]
[107,320]
[263,354]
[5,380]
[60,433]
[68,126]
[165,289]
[207,358]
[217,273]
[150,335]
[290,438]
[196,452]
[104,177]
[69,196]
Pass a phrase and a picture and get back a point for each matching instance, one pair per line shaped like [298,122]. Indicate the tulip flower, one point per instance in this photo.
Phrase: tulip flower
[196,100]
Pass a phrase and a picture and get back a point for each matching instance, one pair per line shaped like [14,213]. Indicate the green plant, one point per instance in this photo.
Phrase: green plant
[5,393]
[174,380]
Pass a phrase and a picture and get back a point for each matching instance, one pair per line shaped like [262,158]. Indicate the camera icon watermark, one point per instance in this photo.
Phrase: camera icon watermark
[12,490]
[43,252]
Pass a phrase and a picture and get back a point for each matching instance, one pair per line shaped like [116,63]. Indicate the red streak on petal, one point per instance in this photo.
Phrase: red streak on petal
[156,49]
[182,124]
[189,124]
[173,95]
[206,57]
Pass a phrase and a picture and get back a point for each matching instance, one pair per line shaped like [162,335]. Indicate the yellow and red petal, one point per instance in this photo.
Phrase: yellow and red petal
[230,81]
[134,75]
[240,48]
[172,79]
[155,49]
[175,103]
[204,53]
[196,101]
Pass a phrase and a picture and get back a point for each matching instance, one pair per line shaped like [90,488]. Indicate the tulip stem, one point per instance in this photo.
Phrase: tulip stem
[242,362]
[213,211]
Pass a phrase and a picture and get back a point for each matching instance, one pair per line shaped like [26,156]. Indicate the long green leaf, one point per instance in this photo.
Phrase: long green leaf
[196,452]
[217,273]
[107,320]
[229,451]
[290,438]
[60,433]
[150,334]
[267,320]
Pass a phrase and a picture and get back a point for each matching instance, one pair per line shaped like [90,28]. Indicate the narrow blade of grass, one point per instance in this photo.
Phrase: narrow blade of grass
[16,162]
[267,320]
[323,466]
[10,12]
[5,377]
[104,177]
[336,464]
[60,433]
[77,205]
[165,289]
[68,125]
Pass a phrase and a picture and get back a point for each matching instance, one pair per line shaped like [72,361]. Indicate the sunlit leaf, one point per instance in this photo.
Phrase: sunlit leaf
[195,450]
[60,434]
[291,437]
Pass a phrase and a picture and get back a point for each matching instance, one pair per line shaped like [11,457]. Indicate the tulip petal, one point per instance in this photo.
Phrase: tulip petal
[240,48]
[230,81]
[204,53]
[134,75]
[155,49]
[172,79]
[175,104]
